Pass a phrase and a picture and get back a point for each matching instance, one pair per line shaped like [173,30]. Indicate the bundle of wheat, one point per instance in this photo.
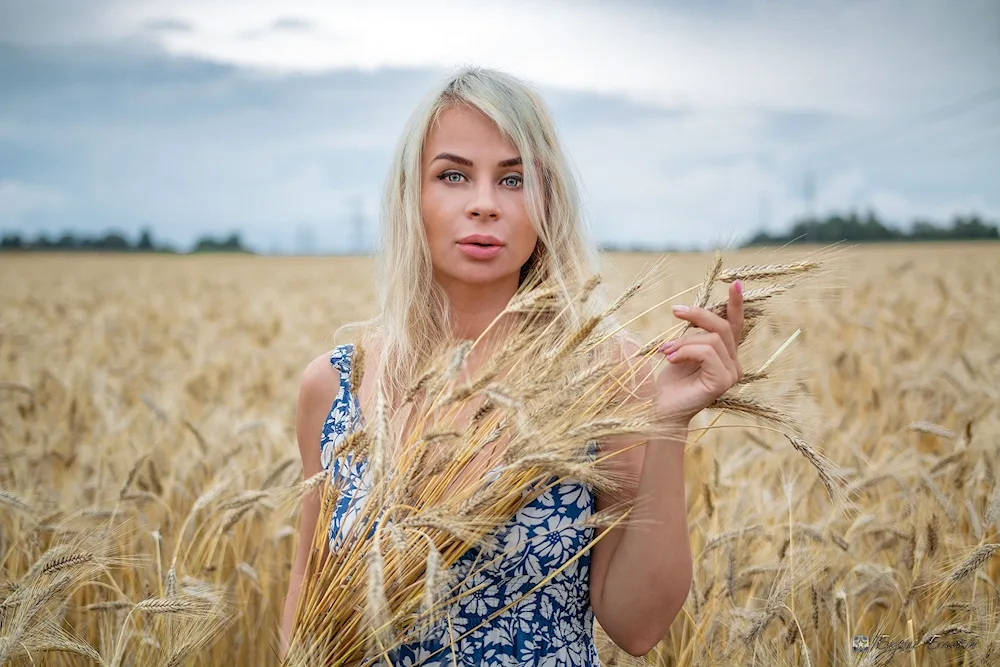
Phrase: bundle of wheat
[529,417]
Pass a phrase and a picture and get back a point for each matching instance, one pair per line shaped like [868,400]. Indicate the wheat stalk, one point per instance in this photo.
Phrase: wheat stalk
[9,499]
[974,561]
[761,271]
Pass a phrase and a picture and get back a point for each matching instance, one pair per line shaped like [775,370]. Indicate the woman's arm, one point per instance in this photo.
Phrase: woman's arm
[640,572]
[317,391]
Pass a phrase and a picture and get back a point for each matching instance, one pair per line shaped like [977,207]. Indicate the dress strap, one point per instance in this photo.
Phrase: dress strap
[343,412]
[341,357]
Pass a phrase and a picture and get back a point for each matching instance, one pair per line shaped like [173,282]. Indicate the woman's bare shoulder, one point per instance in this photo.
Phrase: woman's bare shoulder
[320,381]
[318,389]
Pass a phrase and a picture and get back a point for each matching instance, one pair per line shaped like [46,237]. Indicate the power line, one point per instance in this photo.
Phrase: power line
[961,106]
[977,142]
[862,147]
[902,128]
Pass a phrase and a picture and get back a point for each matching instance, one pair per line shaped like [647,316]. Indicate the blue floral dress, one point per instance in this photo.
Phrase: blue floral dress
[553,626]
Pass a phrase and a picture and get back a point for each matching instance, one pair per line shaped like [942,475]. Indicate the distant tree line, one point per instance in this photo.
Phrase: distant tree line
[833,228]
[852,227]
[114,241]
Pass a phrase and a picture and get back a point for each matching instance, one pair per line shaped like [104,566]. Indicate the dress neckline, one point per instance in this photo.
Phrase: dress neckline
[342,358]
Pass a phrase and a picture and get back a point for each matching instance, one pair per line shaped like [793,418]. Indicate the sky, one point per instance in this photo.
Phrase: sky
[688,124]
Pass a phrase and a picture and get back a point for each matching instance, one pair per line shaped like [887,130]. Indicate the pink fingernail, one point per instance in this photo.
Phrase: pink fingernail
[671,355]
[739,286]
[666,346]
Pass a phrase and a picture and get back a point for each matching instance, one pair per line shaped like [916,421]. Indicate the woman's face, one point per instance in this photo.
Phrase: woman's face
[472,200]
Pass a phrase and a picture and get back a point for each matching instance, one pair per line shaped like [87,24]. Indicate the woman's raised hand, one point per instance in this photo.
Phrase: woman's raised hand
[703,366]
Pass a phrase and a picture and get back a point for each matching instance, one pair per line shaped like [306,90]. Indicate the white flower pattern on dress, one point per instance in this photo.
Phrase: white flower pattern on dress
[499,623]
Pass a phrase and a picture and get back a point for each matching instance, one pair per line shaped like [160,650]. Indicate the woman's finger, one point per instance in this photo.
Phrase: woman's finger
[708,338]
[708,358]
[708,321]
[734,310]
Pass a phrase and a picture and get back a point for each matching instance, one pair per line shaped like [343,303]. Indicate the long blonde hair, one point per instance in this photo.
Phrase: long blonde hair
[413,318]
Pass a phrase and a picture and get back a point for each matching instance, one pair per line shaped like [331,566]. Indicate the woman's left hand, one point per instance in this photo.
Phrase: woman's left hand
[703,366]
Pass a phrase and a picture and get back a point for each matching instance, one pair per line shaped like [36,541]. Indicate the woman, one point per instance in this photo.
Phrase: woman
[479,195]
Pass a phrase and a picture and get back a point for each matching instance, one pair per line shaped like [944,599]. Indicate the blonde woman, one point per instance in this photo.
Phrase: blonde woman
[479,196]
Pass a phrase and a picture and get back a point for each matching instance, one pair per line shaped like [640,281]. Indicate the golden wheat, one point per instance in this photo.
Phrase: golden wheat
[125,379]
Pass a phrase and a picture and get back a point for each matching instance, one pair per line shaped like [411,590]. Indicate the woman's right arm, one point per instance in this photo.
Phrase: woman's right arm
[318,389]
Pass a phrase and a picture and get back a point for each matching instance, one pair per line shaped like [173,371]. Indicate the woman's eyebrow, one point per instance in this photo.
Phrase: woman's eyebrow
[513,162]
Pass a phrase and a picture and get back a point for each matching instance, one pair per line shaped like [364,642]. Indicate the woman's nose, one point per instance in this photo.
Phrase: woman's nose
[484,203]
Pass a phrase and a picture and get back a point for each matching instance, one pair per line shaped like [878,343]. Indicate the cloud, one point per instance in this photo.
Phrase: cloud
[686,125]
[58,22]
[292,24]
[190,147]
[816,56]
[168,25]
[282,27]
[801,56]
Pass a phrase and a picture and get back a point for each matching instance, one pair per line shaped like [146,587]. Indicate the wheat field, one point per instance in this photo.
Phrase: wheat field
[147,452]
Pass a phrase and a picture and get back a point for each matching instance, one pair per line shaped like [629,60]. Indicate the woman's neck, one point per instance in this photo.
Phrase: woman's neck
[474,307]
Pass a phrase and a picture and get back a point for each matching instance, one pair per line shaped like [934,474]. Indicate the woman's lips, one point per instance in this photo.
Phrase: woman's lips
[480,251]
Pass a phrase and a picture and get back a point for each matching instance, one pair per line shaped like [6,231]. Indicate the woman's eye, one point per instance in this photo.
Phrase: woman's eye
[447,176]
[512,181]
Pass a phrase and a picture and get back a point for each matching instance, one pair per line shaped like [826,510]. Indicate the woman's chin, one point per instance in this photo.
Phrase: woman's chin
[483,275]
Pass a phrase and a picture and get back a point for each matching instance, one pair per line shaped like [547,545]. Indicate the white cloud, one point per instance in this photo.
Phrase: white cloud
[865,58]
[746,100]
